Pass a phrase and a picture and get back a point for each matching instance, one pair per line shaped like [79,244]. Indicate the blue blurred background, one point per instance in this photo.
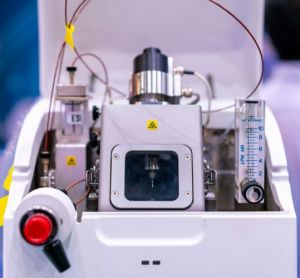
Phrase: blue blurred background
[19,82]
[18,59]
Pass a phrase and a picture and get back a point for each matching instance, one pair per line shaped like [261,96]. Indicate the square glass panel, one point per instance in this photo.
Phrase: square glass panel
[151,176]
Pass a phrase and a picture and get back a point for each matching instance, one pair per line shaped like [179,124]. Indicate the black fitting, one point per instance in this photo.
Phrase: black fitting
[94,140]
[188,72]
[45,155]
[71,69]
[57,255]
[95,113]
[151,59]
[256,189]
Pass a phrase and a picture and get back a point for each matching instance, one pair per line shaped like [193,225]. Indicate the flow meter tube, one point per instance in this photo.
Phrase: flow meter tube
[250,150]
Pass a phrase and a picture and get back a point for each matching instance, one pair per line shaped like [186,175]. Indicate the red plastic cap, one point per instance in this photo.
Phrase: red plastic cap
[38,229]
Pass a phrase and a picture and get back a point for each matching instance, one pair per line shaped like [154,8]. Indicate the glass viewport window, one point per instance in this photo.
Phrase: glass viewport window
[151,176]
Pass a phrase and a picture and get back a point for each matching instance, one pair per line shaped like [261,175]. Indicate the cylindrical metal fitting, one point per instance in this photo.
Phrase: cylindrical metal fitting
[148,85]
[252,192]
[152,81]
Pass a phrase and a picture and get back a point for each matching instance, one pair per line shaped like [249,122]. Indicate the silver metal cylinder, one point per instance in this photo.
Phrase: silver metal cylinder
[150,86]
[154,80]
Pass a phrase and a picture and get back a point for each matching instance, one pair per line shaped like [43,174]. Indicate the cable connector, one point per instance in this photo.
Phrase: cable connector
[70,29]
[188,72]
[178,70]
[181,70]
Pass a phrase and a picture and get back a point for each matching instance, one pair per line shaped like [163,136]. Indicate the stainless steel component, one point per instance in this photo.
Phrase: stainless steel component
[48,180]
[177,80]
[210,175]
[179,70]
[151,164]
[155,87]
[92,181]
[45,179]
[170,76]
[93,197]
[187,92]
[52,177]
[154,80]
[150,82]
[45,160]
[92,175]
[210,182]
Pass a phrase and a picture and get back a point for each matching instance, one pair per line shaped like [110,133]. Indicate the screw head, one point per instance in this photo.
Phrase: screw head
[188,193]
[116,156]
[115,193]
[187,157]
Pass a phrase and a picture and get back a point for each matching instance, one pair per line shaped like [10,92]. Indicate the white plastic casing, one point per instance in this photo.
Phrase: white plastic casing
[113,243]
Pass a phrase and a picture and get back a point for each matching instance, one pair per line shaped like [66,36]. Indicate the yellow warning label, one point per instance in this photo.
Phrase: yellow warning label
[71,160]
[152,124]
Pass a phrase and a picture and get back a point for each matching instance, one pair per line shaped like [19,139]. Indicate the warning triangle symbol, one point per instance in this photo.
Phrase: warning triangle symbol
[71,161]
[152,126]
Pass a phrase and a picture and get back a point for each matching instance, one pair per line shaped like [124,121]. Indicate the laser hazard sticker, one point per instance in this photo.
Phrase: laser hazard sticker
[71,160]
[152,124]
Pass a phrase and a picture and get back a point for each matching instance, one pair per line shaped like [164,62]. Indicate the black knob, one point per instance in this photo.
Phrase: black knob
[95,113]
[57,255]
[151,59]
[252,192]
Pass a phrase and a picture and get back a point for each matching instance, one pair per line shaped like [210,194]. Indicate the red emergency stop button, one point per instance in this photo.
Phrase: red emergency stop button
[38,227]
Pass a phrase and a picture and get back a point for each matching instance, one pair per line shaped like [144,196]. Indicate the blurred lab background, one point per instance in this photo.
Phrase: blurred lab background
[18,62]
[19,77]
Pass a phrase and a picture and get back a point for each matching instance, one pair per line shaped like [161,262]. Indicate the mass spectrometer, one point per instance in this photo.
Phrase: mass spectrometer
[180,174]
